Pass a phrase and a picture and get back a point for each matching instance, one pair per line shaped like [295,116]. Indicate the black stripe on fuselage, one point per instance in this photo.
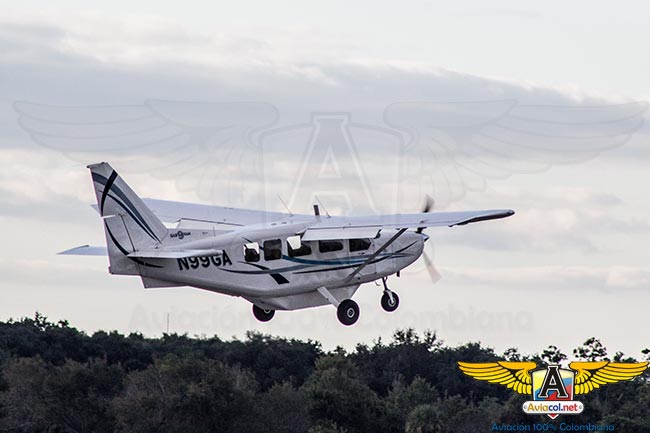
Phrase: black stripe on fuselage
[274,273]
[279,278]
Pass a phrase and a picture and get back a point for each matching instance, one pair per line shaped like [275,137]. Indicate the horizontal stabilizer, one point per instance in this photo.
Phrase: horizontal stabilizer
[177,254]
[85,250]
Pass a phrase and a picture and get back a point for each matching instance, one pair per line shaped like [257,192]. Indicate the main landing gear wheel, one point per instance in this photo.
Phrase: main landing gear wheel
[389,304]
[348,312]
[263,315]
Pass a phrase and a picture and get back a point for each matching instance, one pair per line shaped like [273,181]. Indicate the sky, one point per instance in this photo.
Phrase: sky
[370,106]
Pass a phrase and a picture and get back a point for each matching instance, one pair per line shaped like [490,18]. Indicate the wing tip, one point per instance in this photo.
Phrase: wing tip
[489,215]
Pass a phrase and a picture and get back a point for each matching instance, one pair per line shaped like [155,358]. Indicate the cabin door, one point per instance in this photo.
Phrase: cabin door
[358,251]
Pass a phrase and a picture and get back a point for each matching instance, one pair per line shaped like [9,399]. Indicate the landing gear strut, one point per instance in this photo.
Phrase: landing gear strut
[263,315]
[389,300]
[348,312]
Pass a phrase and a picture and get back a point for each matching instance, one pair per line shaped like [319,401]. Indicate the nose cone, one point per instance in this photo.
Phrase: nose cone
[410,248]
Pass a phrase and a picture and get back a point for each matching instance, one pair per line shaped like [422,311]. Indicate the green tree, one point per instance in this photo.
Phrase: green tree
[273,360]
[73,397]
[337,394]
[425,419]
[187,394]
[462,416]
[326,427]
[403,398]
[283,409]
[553,355]
[591,350]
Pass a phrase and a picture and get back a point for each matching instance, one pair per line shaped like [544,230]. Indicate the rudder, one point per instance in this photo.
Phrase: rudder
[129,224]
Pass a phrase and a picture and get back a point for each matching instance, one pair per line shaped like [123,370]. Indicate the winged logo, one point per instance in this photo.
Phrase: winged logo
[247,154]
[438,148]
[552,388]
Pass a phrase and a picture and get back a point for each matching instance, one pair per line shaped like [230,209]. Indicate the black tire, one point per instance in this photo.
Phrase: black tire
[387,305]
[348,312]
[263,315]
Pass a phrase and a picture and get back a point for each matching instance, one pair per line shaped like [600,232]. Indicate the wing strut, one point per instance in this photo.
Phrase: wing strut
[375,254]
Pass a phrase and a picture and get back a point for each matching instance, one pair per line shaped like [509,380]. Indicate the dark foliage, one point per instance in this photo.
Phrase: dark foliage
[55,378]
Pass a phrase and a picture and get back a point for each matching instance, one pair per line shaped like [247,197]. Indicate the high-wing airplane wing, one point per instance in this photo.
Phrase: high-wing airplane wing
[369,226]
[174,211]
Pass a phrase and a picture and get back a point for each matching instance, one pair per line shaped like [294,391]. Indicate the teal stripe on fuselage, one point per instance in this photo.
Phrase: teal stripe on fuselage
[359,259]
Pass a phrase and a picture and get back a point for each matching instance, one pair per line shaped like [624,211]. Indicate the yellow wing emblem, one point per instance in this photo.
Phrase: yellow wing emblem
[592,375]
[514,375]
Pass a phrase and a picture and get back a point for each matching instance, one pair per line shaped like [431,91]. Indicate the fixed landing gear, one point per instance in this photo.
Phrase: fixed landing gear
[389,303]
[348,312]
[389,300]
[263,315]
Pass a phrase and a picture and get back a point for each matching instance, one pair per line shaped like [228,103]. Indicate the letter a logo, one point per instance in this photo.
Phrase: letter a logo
[553,382]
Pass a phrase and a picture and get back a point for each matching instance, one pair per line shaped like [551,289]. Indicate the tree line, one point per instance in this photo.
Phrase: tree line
[55,378]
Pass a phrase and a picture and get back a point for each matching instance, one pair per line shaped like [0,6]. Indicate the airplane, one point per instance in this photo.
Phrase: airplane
[276,261]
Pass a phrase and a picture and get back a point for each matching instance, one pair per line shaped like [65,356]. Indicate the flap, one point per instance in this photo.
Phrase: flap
[408,221]
[173,211]
[325,234]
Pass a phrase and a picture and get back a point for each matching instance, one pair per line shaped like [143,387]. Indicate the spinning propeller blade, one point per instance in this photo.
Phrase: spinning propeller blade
[433,272]
[429,204]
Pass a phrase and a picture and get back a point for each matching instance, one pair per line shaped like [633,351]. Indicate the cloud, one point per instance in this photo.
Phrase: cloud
[555,220]
[414,129]
[41,274]
[553,278]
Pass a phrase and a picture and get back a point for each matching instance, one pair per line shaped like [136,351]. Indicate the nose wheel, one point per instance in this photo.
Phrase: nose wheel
[389,300]
[263,315]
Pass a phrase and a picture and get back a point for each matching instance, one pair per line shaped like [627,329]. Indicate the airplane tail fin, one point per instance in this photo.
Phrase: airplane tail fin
[129,224]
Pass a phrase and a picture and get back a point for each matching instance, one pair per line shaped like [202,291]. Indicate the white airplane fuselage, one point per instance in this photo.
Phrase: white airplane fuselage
[276,261]
[282,281]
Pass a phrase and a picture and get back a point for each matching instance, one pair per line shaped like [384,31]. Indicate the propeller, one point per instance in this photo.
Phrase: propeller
[433,272]
[429,204]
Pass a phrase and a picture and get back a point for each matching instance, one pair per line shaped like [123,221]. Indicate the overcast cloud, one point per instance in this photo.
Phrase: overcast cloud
[227,114]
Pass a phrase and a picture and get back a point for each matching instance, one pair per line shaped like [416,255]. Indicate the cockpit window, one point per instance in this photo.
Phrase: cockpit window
[329,246]
[359,244]
[297,248]
[252,252]
[273,249]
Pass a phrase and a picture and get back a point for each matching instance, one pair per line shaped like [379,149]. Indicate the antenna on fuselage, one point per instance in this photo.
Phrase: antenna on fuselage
[322,205]
[285,205]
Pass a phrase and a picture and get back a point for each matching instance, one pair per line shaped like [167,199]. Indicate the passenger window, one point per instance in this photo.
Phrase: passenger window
[297,248]
[329,246]
[273,249]
[359,244]
[252,252]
